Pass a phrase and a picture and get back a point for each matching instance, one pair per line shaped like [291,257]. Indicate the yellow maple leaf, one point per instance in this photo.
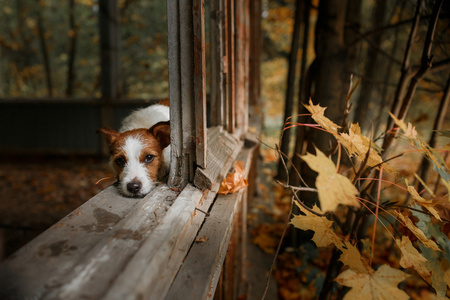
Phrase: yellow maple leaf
[411,258]
[358,144]
[351,257]
[381,284]
[324,234]
[234,181]
[428,204]
[333,188]
[417,232]
[318,115]
[411,132]
[400,123]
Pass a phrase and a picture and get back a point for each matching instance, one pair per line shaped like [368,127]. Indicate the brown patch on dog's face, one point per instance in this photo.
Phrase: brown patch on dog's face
[137,158]
[150,154]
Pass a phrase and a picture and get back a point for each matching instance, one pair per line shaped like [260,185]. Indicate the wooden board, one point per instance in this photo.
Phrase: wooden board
[197,278]
[41,265]
[223,149]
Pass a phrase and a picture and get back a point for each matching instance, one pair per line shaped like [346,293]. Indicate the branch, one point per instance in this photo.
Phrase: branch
[424,68]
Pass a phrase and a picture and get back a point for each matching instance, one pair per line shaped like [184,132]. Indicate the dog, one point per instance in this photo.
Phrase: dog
[140,150]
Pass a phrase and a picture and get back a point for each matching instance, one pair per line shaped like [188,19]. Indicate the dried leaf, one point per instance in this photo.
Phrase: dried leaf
[358,144]
[317,113]
[324,234]
[234,181]
[201,239]
[436,159]
[411,258]
[417,232]
[428,204]
[333,188]
[381,284]
[352,257]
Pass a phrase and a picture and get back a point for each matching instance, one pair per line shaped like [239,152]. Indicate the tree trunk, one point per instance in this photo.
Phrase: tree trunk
[290,88]
[370,93]
[438,123]
[72,48]
[303,92]
[331,82]
[44,50]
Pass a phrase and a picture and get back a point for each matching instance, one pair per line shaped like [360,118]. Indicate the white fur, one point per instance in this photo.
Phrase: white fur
[146,117]
[143,118]
[134,169]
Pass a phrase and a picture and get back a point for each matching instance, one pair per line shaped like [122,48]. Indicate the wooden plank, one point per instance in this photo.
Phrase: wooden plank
[217,114]
[181,82]
[143,277]
[200,272]
[110,254]
[198,277]
[225,62]
[36,267]
[223,149]
[240,64]
[200,82]
[231,84]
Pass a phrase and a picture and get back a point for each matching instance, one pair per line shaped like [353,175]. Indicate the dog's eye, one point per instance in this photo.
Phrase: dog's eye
[120,161]
[149,158]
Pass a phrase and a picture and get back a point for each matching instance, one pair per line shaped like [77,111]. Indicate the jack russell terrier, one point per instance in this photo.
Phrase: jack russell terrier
[140,151]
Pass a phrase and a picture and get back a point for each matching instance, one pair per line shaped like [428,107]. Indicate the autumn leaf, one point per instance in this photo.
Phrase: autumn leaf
[358,144]
[436,159]
[324,234]
[417,232]
[318,115]
[411,258]
[381,284]
[234,181]
[352,257]
[428,204]
[333,188]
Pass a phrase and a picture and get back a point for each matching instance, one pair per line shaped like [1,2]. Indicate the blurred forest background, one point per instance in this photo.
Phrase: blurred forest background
[397,52]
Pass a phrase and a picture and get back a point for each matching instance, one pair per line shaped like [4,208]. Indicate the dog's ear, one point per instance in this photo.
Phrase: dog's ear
[161,131]
[110,134]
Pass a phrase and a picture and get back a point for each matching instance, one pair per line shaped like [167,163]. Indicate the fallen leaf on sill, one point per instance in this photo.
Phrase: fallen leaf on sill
[201,240]
[234,181]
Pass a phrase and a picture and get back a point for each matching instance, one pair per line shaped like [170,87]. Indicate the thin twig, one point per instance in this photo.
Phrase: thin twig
[278,251]
[297,189]
[306,207]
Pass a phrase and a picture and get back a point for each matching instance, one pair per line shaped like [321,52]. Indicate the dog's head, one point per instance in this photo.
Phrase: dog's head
[137,157]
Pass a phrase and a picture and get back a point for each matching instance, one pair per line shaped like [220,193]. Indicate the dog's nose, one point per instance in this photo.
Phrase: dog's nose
[134,187]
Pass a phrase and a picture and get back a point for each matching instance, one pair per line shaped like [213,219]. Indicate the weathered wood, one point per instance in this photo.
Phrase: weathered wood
[200,82]
[217,67]
[38,266]
[198,277]
[223,148]
[147,274]
[230,36]
[110,254]
[240,64]
[181,82]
